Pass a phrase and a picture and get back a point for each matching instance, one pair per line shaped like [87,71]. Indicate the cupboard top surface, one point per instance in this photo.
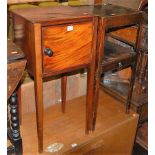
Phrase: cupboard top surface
[38,15]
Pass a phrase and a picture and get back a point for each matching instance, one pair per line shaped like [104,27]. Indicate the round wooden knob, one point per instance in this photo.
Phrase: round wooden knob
[48,52]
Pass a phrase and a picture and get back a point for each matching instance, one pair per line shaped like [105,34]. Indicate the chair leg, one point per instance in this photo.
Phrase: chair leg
[131,84]
[13,130]
[63,92]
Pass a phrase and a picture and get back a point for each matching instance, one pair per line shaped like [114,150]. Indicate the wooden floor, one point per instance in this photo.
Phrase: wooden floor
[69,128]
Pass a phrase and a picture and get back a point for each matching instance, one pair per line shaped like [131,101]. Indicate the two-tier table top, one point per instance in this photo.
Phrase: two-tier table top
[54,14]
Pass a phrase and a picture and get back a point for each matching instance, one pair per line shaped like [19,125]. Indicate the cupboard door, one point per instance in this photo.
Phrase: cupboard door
[66,47]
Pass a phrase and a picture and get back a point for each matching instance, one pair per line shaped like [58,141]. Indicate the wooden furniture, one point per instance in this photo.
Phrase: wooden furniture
[56,43]
[112,56]
[48,44]
[117,87]
[15,68]
[114,134]
[139,101]
[142,80]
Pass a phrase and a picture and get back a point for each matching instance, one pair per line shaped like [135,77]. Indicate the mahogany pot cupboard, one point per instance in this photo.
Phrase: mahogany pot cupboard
[61,39]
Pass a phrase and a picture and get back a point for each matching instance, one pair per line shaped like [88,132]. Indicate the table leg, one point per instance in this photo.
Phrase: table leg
[39,110]
[100,53]
[63,92]
[132,79]
[90,97]
[134,66]
[38,84]
[89,100]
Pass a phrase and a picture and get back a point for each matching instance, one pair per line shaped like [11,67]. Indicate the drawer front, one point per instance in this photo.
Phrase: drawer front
[117,65]
[70,45]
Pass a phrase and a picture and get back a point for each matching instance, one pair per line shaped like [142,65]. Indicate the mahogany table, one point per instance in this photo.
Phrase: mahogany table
[112,18]
[61,39]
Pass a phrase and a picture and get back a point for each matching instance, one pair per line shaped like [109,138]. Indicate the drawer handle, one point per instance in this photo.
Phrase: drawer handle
[48,52]
[120,65]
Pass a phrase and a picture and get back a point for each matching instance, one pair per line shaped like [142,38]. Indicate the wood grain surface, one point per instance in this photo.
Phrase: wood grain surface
[27,44]
[63,92]
[15,66]
[38,84]
[114,134]
[61,13]
[127,35]
[14,74]
[70,48]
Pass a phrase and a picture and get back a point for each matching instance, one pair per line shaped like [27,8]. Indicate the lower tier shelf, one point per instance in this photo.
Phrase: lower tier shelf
[119,89]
